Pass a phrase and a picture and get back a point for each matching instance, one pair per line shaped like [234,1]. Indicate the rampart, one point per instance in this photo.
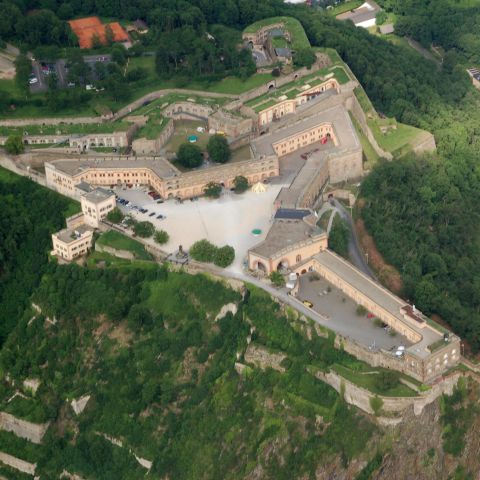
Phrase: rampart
[18,464]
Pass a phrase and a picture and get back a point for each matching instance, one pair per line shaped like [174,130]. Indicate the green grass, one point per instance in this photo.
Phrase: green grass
[183,129]
[66,129]
[6,176]
[344,7]
[299,38]
[363,99]
[154,126]
[95,258]
[371,156]
[367,380]
[394,139]
[119,241]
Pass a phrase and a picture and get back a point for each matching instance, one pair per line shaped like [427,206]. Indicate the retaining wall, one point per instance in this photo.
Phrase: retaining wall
[113,251]
[18,464]
[33,432]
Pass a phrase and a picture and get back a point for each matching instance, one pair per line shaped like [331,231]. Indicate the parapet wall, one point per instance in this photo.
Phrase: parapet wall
[33,432]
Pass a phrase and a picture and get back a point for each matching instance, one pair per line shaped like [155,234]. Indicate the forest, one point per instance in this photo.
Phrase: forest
[30,213]
[161,375]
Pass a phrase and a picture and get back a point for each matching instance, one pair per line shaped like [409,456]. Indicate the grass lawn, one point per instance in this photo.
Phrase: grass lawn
[371,156]
[366,379]
[154,126]
[111,261]
[394,139]
[299,38]
[119,241]
[6,176]
[183,129]
[344,7]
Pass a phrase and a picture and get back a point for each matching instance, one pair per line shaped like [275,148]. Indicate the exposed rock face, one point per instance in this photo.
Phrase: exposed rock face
[228,308]
[262,358]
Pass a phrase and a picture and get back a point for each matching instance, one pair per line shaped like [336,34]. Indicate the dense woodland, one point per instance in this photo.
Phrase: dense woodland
[161,374]
[29,214]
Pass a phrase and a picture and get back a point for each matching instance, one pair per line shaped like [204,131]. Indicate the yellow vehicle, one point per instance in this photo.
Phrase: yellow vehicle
[308,304]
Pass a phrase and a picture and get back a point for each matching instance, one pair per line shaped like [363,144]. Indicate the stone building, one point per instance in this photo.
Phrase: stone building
[71,243]
[96,205]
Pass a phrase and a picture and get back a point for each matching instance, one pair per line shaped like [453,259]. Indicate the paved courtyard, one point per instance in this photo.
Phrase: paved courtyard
[340,312]
[228,220]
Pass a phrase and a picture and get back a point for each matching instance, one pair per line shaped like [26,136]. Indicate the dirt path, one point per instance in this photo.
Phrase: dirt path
[424,52]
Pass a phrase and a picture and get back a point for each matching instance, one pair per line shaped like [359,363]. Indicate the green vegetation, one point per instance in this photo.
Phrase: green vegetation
[277,279]
[377,380]
[154,126]
[30,214]
[143,342]
[66,129]
[344,7]
[457,415]
[218,149]
[14,145]
[339,236]
[119,241]
[292,25]
[161,237]
[144,229]
[240,184]
[189,155]
[372,466]
[204,251]
[212,190]
[115,215]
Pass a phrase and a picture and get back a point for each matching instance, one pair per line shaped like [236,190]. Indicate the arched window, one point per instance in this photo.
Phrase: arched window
[299,258]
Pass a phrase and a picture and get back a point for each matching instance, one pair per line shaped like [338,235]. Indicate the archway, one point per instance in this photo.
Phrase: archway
[261,266]
[303,272]
[282,265]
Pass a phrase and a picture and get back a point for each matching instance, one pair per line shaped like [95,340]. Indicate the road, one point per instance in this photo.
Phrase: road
[424,52]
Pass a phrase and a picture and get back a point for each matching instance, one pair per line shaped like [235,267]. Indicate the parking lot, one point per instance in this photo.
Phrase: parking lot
[340,312]
[41,70]
[227,220]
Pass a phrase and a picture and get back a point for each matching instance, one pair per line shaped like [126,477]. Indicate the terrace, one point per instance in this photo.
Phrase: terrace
[66,129]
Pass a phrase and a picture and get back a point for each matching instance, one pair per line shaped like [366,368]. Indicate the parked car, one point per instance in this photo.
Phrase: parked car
[307,303]
[33,81]
[152,214]
[160,216]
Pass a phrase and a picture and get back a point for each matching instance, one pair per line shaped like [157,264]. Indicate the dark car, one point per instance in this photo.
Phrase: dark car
[152,214]
[160,216]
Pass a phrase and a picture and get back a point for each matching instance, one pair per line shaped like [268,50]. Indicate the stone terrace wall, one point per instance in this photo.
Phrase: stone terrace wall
[361,397]
[113,251]
[33,432]
[17,464]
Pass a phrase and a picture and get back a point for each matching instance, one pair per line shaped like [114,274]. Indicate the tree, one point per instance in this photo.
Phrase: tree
[224,256]
[304,57]
[240,184]
[144,229]
[109,37]
[14,145]
[119,55]
[386,380]
[189,155]
[381,17]
[218,149]
[212,190]
[203,251]
[23,68]
[115,215]
[96,41]
[277,279]
[339,237]
[161,237]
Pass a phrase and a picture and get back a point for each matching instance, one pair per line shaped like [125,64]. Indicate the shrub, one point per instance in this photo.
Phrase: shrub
[115,215]
[189,155]
[224,256]
[277,279]
[218,149]
[240,184]
[376,403]
[361,310]
[203,251]
[386,380]
[14,145]
[144,229]
[212,189]
[161,237]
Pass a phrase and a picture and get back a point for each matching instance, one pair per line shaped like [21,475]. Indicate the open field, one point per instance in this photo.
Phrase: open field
[183,129]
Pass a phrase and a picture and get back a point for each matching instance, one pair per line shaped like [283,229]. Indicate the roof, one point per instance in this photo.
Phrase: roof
[84,187]
[98,195]
[76,167]
[70,235]
[386,29]
[290,213]
[285,234]
[366,11]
